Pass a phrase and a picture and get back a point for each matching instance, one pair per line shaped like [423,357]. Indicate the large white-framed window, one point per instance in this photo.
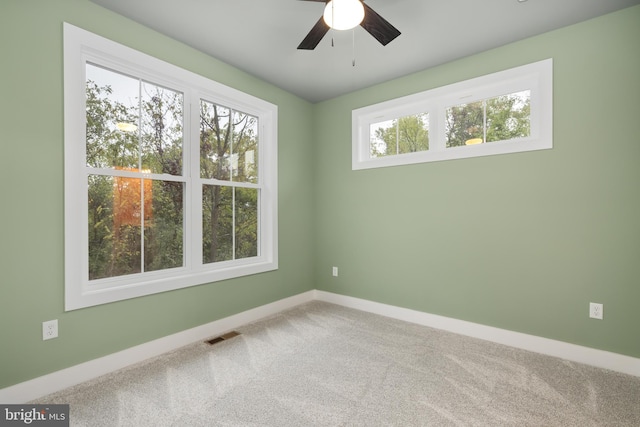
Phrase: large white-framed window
[505,112]
[170,177]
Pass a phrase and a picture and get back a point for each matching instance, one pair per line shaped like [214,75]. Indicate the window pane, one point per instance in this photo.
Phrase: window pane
[121,211]
[508,116]
[501,118]
[114,226]
[382,138]
[229,223]
[163,225]
[246,222]
[413,133]
[465,124]
[161,134]
[217,223]
[100,212]
[228,144]
[116,106]
[112,119]
[408,134]
[244,151]
[215,141]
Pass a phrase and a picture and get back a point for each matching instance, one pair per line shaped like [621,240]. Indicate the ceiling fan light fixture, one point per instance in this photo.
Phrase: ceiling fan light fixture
[343,14]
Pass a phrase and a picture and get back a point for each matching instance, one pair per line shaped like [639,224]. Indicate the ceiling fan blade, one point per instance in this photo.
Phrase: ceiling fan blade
[378,27]
[315,35]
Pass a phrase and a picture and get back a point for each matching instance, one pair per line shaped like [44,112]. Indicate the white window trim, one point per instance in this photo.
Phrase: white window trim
[81,47]
[536,77]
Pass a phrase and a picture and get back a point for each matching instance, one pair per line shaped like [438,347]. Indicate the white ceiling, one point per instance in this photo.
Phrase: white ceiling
[261,36]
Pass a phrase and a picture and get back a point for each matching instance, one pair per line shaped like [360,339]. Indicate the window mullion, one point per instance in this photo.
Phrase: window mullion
[193,217]
[142,230]
[233,223]
[142,181]
[231,130]
[440,136]
[484,121]
[398,135]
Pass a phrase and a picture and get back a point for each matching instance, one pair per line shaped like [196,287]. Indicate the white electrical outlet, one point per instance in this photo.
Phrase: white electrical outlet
[335,271]
[49,329]
[595,310]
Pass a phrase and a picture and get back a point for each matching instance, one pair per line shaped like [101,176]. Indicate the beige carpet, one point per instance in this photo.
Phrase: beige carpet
[326,365]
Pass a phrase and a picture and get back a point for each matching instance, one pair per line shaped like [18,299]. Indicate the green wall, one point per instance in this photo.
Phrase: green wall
[31,217]
[521,241]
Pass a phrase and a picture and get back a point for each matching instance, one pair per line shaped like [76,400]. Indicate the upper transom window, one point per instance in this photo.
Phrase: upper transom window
[504,112]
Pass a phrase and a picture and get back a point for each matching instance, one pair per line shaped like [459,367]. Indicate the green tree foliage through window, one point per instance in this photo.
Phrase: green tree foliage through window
[407,134]
[228,154]
[501,118]
[132,127]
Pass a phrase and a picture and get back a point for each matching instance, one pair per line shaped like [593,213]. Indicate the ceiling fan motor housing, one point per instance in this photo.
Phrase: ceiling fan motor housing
[373,23]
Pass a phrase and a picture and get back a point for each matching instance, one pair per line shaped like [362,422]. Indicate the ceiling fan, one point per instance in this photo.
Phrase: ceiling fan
[375,24]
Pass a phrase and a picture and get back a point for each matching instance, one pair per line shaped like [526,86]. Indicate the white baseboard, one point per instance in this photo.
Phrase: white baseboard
[59,380]
[55,381]
[572,352]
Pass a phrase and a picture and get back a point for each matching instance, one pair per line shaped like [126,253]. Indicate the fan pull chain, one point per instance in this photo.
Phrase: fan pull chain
[333,18]
[353,47]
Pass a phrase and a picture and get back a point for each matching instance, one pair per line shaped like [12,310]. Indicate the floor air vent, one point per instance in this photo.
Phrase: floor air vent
[224,337]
